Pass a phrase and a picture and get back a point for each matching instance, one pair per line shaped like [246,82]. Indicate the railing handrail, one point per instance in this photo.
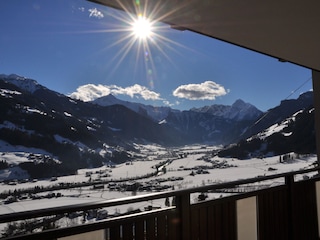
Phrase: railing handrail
[88,227]
[140,198]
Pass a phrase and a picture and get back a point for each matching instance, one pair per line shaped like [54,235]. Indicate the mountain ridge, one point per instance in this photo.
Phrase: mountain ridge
[27,84]
[79,134]
[239,110]
[153,112]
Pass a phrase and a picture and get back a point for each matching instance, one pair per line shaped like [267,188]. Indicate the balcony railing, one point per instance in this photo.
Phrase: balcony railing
[289,210]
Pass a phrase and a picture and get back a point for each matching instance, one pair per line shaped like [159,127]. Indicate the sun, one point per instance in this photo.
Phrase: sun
[142,28]
[143,33]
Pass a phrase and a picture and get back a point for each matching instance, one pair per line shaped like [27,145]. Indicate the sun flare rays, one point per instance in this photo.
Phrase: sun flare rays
[142,34]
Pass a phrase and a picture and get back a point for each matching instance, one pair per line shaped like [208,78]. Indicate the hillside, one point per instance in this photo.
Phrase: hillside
[76,133]
[60,135]
[293,134]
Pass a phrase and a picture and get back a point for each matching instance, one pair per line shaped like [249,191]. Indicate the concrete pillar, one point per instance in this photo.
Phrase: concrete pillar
[316,96]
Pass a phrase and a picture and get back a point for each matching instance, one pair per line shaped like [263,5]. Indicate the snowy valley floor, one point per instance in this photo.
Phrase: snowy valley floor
[195,169]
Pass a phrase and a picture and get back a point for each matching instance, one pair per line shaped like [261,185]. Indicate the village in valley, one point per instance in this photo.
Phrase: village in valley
[153,169]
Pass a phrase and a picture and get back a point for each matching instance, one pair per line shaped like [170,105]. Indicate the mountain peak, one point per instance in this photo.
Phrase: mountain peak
[306,95]
[239,103]
[24,83]
[239,110]
[107,100]
[155,113]
[243,111]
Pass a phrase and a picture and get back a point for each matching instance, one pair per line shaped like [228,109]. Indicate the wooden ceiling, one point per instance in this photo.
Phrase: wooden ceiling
[288,29]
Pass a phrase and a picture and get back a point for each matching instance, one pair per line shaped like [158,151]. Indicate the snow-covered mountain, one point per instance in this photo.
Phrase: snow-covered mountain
[217,124]
[80,134]
[155,113]
[238,111]
[27,84]
[275,115]
[292,134]
[76,133]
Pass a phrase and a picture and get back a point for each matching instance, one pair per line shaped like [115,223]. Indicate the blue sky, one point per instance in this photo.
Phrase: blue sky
[86,50]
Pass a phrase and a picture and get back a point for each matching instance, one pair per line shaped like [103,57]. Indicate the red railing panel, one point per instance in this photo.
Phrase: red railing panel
[150,228]
[273,214]
[304,211]
[174,226]
[139,230]
[115,233]
[127,231]
[212,220]
[161,227]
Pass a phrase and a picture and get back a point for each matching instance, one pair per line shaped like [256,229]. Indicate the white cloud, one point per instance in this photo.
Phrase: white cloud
[91,92]
[208,90]
[136,91]
[94,12]
[167,103]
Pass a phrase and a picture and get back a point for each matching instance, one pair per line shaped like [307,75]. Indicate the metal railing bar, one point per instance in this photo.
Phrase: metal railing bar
[90,227]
